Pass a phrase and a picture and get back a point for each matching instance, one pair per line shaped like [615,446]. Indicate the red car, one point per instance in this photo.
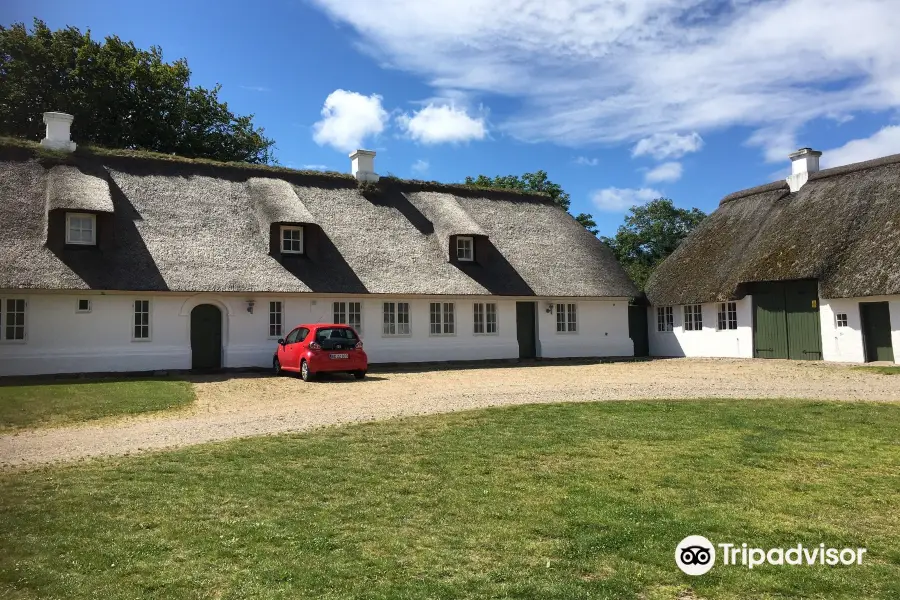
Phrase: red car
[321,348]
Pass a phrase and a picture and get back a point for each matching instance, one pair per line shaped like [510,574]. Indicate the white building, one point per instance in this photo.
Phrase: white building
[807,268]
[127,262]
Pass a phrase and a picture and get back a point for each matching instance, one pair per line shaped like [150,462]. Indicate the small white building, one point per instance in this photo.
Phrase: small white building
[131,262]
[807,268]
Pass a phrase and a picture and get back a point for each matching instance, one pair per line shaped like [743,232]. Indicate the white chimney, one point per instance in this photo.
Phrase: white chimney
[362,165]
[58,135]
[803,162]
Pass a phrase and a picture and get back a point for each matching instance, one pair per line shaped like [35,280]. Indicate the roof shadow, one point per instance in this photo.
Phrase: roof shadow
[323,268]
[492,271]
[391,196]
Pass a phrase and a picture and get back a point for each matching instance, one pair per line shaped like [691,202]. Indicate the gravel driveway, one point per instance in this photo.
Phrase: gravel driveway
[233,406]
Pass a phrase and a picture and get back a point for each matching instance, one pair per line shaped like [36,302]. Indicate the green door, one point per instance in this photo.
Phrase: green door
[525,329]
[770,325]
[786,320]
[206,337]
[637,329]
[801,304]
[876,329]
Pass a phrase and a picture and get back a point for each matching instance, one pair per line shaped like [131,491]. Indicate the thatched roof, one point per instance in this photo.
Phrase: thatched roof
[72,188]
[841,228]
[198,226]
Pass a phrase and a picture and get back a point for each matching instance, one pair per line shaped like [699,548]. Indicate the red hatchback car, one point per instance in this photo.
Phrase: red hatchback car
[321,348]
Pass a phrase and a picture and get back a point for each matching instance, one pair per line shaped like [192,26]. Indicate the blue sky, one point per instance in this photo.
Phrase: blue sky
[618,100]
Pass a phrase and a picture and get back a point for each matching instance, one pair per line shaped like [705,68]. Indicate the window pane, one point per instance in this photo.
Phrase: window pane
[570,313]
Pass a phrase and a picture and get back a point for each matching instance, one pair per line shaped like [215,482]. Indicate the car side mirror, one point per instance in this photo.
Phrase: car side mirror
[281,341]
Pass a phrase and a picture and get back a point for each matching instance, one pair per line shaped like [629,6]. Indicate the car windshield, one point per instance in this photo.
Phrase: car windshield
[336,333]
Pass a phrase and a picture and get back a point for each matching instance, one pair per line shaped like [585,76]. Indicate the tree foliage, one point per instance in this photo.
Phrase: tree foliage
[651,233]
[121,97]
[536,182]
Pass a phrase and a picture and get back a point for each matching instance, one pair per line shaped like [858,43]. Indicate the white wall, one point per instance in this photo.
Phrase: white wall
[602,330]
[845,344]
[734,343]
[59,340]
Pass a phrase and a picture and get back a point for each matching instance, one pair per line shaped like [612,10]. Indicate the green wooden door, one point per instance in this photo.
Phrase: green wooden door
[525,329]
[876,328]
[786,320]
[801,303]
[769,324]
[206,337]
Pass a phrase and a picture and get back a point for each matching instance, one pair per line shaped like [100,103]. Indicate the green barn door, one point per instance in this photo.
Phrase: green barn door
[876,328]
[770,324]
[786,320]
[206,337]
[801,301]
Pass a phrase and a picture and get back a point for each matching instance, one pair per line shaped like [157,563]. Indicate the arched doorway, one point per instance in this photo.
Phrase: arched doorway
[206,337]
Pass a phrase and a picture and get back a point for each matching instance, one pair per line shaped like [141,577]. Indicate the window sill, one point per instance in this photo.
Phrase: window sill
[396,335]
[439,335]
[141,340]
[495,334]
[25,341]
[566,333]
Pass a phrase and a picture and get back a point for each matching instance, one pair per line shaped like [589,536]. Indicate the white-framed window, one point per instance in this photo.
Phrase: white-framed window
[291,239]
[81,228]
[348,313]
[83,305]
[465,248]
[566,318]
[12,319]
[727,316]
[141,328]
[665,318]
[841,319]
[276,319]
[485,318]
[693,317]
[443,318]
[396,318]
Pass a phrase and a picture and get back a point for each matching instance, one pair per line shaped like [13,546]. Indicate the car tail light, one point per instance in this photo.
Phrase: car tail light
[314,346]
[358,345]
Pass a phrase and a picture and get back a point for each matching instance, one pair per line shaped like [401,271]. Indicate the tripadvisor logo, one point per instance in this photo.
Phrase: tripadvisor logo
[696,555]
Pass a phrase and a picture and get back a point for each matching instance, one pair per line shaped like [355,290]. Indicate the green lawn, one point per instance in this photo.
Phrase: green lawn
[551,502]
[880,370]
[50,402]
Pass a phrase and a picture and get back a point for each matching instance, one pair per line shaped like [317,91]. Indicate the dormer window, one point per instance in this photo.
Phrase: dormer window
[81,229]
[465,249]
[291,239]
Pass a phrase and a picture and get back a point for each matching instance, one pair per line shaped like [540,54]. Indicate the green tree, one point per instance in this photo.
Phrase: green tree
[121,97]
[536,182]
[651,233]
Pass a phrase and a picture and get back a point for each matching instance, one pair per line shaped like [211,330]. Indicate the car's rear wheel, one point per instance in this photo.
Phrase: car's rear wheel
[359,374]
[276,367]
[305,373]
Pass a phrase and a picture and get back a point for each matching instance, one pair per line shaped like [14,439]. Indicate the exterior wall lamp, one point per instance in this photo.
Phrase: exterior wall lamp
[250,304]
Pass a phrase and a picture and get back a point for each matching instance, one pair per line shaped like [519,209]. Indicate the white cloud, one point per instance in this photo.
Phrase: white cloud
[348,118]
[588,71]
[670,171]
[420,166]
[668,145]
[882,143]
[438,124]
[621,199]
[584,161]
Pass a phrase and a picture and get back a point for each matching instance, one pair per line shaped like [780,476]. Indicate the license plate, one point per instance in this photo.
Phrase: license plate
[340,356]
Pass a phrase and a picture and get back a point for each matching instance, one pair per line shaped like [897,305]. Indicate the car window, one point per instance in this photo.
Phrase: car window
[303,333]
[336,333]
[292,337]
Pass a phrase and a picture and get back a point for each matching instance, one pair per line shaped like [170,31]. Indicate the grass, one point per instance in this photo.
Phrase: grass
[880,370]
[552,502]
[48,403]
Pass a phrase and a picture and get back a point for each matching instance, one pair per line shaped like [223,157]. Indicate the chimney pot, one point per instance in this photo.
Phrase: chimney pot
[362,165]
[804,162]
[58,136]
